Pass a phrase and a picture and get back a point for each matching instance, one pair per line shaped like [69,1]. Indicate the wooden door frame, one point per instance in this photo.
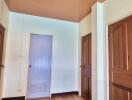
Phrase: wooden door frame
[2,66]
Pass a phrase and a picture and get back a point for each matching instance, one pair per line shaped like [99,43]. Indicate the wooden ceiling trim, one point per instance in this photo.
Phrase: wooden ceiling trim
[101,1]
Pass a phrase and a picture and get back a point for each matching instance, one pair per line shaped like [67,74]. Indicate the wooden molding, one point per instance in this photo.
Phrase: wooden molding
[101,1]
[65,93]
[14,98]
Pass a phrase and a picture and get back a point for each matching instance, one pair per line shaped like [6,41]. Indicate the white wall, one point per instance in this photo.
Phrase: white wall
[116,9]
[85,26]
[64,53]
[4,14]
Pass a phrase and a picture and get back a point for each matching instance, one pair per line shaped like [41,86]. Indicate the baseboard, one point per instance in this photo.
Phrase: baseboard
[14,98]
[65,93]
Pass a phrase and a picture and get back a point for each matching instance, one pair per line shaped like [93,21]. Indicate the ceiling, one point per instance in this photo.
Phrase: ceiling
[71,10]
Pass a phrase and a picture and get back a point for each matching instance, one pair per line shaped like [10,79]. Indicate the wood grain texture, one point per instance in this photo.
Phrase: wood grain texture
[65,93]
[71,10]
[1,53]
[120,59]
[14,98]
[66,97]
[101,1]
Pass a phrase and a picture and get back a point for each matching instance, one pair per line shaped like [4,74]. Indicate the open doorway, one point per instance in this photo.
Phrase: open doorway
[39,76]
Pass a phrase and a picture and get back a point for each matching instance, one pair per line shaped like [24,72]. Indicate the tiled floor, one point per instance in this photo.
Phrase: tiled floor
[67,97]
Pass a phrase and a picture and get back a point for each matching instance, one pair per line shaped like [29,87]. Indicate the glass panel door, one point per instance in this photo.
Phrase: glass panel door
[40,66]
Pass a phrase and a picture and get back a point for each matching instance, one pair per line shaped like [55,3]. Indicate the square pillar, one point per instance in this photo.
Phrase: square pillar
[98,53]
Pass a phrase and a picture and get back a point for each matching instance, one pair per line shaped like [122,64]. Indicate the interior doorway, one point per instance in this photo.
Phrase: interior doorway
[120,59]
[39,77]
[86,67]
[1,55]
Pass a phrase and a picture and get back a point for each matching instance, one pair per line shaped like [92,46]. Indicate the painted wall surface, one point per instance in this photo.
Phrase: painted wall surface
[64,53]
[114,10]
[4,14]
[85,26]
[84,29]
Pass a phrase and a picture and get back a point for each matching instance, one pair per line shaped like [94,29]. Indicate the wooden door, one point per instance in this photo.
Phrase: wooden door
[86,67]
[120,59]
[1,51]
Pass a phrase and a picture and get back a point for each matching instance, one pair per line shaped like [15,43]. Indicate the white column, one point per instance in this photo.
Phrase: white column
[98,53]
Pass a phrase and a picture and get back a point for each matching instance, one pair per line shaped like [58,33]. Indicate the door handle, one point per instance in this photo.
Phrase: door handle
[82,66]
[2,66]
[30,66]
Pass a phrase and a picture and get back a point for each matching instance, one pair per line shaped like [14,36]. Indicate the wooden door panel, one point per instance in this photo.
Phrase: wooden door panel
[119,41]
[122,79]
[90,88]
[85,52]
[1,43]
[130,95]
[129,41]
[89,51]
[1,52]
[86,67]
[120,59]
[119,93]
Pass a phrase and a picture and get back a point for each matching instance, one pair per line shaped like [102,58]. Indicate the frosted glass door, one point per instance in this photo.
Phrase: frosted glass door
[40,66]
